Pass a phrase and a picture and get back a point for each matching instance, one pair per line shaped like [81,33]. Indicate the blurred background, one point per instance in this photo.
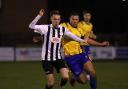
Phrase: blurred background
[109,18]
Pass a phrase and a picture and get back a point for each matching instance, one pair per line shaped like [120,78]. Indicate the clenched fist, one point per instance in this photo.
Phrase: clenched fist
[41,12]
[105,43]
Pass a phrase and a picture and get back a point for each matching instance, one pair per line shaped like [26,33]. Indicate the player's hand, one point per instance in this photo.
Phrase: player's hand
[105,43]
[41,12]
[36,39]
[85,42]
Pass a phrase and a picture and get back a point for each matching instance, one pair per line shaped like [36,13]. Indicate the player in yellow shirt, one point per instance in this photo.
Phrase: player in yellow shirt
[87,27]
[74,56]
[70,46]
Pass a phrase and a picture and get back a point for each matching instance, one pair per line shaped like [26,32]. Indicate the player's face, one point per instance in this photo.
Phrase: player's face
[55,19]
[74,21]
[87,17]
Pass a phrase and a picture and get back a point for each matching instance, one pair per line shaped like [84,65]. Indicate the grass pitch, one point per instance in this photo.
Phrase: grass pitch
[29,75]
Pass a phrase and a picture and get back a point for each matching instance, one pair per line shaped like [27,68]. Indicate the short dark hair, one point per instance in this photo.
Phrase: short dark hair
[74,13]
[54,12]
[86,11]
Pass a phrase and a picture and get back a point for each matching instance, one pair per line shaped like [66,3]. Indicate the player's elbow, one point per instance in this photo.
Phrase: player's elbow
[30,26]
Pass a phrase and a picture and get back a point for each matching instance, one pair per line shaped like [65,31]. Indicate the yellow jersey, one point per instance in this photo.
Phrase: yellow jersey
[87,28]
[70,46]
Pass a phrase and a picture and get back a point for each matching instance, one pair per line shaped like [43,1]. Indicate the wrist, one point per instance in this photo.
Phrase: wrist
[100,44]
[40,15]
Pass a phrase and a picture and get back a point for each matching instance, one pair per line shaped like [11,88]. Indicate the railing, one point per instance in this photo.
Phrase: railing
[34,54]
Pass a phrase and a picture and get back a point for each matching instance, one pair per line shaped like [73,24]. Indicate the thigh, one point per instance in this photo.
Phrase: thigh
[60,64]
[47,67]
[73,64]
[87,50]
[90,68]
[83,59]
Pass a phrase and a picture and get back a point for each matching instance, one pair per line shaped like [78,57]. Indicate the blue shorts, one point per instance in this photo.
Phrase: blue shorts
[86,50]
[76,63]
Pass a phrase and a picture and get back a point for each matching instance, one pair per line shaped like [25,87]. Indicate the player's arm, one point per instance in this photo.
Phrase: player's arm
[86,40]
[32,25]
[92,35]
[74,37]
[95,43]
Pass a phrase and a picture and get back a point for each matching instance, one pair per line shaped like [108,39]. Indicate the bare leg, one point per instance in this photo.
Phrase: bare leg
[65,76]
[88,66]
[50,81]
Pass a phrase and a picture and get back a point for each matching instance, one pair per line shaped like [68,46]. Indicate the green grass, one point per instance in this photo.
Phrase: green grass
[29,75]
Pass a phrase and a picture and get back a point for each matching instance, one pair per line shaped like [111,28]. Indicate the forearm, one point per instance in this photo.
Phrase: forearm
[33,23]
[93,42]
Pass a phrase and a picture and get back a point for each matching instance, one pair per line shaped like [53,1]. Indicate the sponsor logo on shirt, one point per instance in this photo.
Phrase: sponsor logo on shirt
[55,40]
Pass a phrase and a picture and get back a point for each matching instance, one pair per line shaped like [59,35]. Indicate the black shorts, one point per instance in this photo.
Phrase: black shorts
[49,66]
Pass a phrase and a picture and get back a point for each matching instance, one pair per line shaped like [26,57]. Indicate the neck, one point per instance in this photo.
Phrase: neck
[88,22]
[56,26]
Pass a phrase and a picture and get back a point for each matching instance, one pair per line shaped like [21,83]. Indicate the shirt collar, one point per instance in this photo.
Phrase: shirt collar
[54,27]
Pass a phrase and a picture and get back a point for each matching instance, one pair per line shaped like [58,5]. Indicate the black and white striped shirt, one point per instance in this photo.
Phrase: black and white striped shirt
[52,39]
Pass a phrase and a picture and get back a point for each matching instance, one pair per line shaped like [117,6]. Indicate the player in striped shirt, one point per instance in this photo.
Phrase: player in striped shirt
[51,57]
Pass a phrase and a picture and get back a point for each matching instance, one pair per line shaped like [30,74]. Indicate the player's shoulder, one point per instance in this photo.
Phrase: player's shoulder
[41,29]
[64,24]
[90,23]
[43,25]
[80,30]
[81,22]
[84,23]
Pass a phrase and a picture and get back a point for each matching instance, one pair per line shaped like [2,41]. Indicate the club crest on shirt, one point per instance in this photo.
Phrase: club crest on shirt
[55,39]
